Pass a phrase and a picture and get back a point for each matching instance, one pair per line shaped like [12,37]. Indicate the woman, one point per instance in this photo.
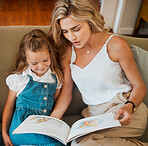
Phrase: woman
[97,61]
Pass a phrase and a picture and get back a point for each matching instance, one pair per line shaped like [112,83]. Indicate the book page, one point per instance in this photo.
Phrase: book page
[44,125]
[91,124]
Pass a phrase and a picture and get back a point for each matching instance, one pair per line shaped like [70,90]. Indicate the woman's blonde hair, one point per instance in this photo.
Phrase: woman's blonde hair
[34,41]
[80,10]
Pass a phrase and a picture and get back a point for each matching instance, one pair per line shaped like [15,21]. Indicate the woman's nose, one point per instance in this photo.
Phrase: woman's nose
[72,36]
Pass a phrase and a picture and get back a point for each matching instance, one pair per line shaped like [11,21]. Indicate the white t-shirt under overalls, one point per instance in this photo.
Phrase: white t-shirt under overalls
[101,79]
[17,82]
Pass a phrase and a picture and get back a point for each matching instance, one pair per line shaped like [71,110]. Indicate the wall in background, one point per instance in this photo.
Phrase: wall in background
[120,15]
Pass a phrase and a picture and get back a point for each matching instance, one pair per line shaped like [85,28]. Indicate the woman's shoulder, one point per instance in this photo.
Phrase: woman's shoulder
[118,47]
[113,40]
[117,42]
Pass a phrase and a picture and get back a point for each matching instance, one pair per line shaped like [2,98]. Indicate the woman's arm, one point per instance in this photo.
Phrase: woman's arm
[65,96]
[56,94]
[121,52]
[7,116]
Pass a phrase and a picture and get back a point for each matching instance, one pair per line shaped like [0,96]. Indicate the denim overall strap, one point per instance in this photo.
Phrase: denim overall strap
[54,76]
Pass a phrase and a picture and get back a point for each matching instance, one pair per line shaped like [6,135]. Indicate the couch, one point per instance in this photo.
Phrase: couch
[10,37]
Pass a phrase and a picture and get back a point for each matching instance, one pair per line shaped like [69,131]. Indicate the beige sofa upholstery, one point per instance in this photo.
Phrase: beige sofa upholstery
[10,37]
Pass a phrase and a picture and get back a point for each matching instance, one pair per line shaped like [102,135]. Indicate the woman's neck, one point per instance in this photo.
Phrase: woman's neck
[95,40]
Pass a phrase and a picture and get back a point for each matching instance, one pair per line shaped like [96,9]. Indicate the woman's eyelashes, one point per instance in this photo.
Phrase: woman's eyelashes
[76,29]
[66,31]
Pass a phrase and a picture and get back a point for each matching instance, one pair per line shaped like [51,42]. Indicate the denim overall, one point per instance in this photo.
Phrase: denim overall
[37,98]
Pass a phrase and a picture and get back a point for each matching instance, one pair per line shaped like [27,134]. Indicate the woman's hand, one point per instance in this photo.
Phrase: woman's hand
[124,115]
[7,140]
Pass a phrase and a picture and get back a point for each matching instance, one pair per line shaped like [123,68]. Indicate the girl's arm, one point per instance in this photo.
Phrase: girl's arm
[7,116]
[65,96]
[121,52]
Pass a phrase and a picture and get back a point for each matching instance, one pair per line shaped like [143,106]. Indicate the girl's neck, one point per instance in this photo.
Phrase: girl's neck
[39,75]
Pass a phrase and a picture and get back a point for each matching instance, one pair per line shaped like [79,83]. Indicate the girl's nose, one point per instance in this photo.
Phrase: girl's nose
[41,65]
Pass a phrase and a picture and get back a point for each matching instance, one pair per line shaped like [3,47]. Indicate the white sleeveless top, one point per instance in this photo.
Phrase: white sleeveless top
[101,79]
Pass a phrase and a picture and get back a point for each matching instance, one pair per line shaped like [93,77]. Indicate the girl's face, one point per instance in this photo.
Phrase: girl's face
[39,62]
[77,32]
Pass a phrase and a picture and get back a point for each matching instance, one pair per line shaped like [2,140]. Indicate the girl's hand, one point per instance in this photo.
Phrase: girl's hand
[124,115]
[7,140]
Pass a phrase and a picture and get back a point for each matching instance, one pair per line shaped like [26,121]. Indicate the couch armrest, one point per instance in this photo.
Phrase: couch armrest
[140,42]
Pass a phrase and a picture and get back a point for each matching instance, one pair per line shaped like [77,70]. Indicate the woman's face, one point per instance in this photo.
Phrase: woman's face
[39,62]
[77,32]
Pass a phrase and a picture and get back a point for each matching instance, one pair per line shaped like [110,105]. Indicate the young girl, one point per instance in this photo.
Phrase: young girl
[97,61]
[34,85]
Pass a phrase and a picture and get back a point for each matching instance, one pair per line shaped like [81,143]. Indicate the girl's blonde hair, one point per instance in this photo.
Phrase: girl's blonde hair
[80,10]
[34,41]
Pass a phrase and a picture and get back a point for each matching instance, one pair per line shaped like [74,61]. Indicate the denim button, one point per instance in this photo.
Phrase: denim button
[44,111]
[45,86]
[45,98]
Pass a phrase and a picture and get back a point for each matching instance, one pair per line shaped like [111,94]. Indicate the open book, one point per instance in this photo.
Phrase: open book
[59,130]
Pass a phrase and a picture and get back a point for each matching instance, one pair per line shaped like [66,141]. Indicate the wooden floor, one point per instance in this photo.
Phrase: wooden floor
[27,12]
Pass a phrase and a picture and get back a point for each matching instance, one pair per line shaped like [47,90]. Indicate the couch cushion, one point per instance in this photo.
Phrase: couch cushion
[1,140]
[77,104]
[71,119]
[141,59]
